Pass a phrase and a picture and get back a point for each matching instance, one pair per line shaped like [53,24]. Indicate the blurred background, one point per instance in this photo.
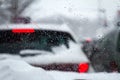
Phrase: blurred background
[87,18]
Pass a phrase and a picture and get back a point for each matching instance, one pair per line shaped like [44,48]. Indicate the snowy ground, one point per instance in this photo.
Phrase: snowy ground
[88,76]
[20,70]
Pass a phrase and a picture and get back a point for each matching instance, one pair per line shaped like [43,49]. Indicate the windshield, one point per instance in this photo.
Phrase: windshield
[11,42]
[60,36]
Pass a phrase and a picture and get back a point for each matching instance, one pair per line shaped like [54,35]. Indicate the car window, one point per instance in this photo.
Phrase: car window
[118,42]
[39,40]
[108,40]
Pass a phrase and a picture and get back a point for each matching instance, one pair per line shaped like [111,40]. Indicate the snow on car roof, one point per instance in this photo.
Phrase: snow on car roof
[52,27]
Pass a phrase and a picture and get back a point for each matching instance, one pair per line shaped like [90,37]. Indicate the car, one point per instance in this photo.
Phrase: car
[50,46]
[89,46]
[107,56]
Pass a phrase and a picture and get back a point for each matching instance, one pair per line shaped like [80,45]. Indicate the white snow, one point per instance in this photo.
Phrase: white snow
[9,56]
[19,70]
[39,52]
[55,27]
[58,75]
[11,69]
[61,55]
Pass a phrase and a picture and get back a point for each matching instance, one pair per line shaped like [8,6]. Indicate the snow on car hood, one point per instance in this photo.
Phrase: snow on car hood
[20,70]
[73,54]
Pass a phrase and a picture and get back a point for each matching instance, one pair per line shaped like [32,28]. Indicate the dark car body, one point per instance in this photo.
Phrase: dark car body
[107,56]
[89,47]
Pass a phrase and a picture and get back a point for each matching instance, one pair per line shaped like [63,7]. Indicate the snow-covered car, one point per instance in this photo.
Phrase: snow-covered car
[50,46]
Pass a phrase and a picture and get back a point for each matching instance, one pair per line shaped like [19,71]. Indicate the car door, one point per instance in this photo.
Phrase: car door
[117,51]
[104,57]
[107,50]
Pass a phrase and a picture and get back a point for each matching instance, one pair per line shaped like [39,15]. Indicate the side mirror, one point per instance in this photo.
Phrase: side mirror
[118,24]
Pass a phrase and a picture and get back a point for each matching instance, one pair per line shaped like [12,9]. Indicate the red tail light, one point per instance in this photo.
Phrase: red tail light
[88,40]
[83,67]
[113,66]
[23,31]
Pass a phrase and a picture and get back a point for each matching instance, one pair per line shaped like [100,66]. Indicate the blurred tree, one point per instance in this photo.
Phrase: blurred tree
[17,7]
[10,9]
[4,13]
